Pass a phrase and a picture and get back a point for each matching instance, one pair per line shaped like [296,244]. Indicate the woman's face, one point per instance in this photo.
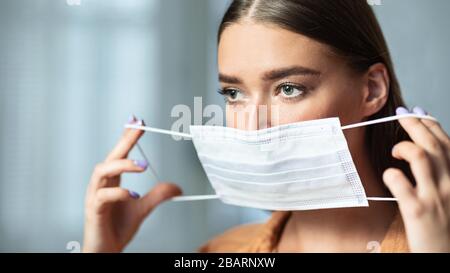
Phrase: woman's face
[271,76]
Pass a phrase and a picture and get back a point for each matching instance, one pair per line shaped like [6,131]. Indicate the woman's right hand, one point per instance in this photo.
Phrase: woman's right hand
[113,214]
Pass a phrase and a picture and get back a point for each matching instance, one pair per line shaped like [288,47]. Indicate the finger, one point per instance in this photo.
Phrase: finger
[402,189]
[436,128]
[440,134]
[115,168]
[420,164]
[433,126]
[160,193]
[107,196]
[442,160]
[443,165]
[400,186]
[129,139]
[421,135]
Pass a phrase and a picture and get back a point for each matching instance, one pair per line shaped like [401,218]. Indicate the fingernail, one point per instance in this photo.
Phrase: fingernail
[419,111]
[140,123]
[401,111]
[131,119]
[141,163]
[134,195]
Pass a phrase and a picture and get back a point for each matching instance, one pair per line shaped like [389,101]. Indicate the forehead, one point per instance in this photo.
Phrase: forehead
[253,46]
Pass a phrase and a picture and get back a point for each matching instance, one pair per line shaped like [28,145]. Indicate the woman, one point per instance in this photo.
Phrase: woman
[311,59]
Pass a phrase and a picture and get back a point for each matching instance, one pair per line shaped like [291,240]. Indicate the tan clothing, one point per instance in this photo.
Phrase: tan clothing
[265,237]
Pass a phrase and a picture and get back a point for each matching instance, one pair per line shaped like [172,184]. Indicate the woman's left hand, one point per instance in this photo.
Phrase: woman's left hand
[425,208]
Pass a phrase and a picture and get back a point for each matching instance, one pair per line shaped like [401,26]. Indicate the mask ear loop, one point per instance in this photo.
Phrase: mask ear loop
[382,120]
[214,196]
[154,130]
[152,170]
[172,133]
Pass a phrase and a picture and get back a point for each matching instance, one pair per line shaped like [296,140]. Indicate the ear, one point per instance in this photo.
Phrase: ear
[376,89]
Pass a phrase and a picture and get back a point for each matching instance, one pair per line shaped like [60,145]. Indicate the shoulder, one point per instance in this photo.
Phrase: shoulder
[251,237]
[232,240]
[395,240]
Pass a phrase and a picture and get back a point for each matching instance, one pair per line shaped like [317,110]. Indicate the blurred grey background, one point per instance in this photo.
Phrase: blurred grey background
[70,75]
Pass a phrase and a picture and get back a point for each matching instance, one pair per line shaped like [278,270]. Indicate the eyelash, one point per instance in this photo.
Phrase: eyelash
[226,92]
[300,87]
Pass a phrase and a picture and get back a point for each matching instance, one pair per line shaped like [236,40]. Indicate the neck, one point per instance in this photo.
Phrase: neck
[342,230]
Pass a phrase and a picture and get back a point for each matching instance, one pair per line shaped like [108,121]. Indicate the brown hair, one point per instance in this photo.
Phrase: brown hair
[350,29]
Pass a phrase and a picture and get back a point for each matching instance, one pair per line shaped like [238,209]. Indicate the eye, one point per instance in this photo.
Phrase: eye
[291,91]
[232,95]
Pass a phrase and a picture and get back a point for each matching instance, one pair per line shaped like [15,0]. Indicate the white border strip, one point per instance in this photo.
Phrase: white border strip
[214,196]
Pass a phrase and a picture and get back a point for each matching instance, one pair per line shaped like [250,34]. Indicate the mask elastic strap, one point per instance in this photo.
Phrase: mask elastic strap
[383,120]
[351,126]
[156,130]
[213,196]
[194,197]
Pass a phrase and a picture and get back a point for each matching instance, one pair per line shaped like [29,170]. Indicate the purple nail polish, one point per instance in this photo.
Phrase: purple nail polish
[140,123]
[401,111]
[141,163]
[134,195]
[419,111]
[131,119]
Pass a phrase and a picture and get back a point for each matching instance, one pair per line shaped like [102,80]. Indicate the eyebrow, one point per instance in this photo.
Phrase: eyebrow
[275,74]
[229,79]
[289,71]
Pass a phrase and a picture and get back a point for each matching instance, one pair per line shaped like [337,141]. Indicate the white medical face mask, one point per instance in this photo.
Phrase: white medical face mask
[299,166]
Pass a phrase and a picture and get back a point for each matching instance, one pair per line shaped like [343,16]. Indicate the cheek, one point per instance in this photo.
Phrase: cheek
[230,118]
[242,117]
[289,113]
[318,105]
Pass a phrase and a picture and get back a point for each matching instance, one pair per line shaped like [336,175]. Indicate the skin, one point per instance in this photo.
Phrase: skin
[240,51]
[112,214]
[251,57]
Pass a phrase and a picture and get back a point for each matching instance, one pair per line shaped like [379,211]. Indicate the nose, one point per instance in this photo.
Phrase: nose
[259,118]
[254,117]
